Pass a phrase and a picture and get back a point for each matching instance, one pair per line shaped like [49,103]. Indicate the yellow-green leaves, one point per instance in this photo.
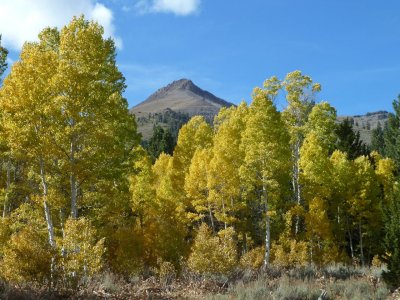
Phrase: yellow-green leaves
[81,253]
[213,254]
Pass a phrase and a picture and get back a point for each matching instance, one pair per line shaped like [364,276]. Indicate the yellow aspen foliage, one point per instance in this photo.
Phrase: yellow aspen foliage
[385,171]
[142,186]
[128,251]
[5,233]
[322,121]
[81,252]
[196,186]
[166,229]
[322,249]
[316,168]
[196,134]
[267,156]
[224,178]
[364,203]
[213,254]
[289,250]
[27,257]
[253,259]
[291,253]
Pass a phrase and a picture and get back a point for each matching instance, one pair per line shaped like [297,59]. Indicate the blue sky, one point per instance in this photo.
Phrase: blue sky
[229,47]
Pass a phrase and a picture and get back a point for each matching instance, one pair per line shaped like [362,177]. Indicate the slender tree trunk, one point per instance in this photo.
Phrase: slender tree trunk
[361,245]
[73,183]
[296,181]
[8,184]
[267,228]
[351,244]
[50,227]
[74,193]
[49,221]
[211,217]
[224,213]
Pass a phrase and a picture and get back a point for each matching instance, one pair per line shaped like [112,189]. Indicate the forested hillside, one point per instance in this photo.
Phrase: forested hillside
[261,189]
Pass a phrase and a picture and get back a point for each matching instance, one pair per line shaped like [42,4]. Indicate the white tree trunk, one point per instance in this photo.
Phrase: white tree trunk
[267,228]
[351,244]
[47,214]
[74,193]
[73,183]
[211,217]
[8,184]
[296,182]
[361,245]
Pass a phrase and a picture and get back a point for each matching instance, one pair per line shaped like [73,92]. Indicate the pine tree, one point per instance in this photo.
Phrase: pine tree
[392,134]
[350,141]
[3,60]
[378,140]
[161,141]
[392,242]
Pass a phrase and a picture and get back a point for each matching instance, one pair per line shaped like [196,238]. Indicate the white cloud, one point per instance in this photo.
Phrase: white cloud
[177,7]
[22,20]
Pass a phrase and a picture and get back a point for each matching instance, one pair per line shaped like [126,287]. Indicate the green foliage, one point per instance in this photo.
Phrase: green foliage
[378,140]
[392,135]
[3,59]
[161,141]
[392,242]
[349,141]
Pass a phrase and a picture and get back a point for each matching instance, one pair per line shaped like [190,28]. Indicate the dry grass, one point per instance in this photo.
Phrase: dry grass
[339,282]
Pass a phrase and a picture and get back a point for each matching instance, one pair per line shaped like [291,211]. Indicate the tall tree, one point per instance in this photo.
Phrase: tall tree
[3,59]
[392,135]
[378,139]
[28,118]
[96,133]
[161,141]
[300,96]
[224,178]
[392,242]
[350,141]
[264,143]
[196,134]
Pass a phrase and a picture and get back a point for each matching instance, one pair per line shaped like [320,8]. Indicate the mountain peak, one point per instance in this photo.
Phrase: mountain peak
[184,89]
[182,96]
[181,84]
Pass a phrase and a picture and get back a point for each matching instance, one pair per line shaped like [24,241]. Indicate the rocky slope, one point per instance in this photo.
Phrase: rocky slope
[173,105]
[181,100]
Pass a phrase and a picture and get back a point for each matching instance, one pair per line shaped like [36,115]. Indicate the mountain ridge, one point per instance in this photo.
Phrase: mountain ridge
[172,105]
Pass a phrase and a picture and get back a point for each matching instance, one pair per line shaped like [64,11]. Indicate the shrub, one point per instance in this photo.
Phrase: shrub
[253,259]
[213,254]
[27,257]
[81,253]
[167,273]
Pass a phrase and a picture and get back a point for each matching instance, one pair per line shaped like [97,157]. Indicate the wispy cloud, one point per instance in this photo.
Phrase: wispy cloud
[177,7]
[22,20]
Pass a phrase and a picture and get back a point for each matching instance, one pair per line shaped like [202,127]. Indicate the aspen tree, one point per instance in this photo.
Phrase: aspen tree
[95,132]
[224,179]
[265,144]
[300,94]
